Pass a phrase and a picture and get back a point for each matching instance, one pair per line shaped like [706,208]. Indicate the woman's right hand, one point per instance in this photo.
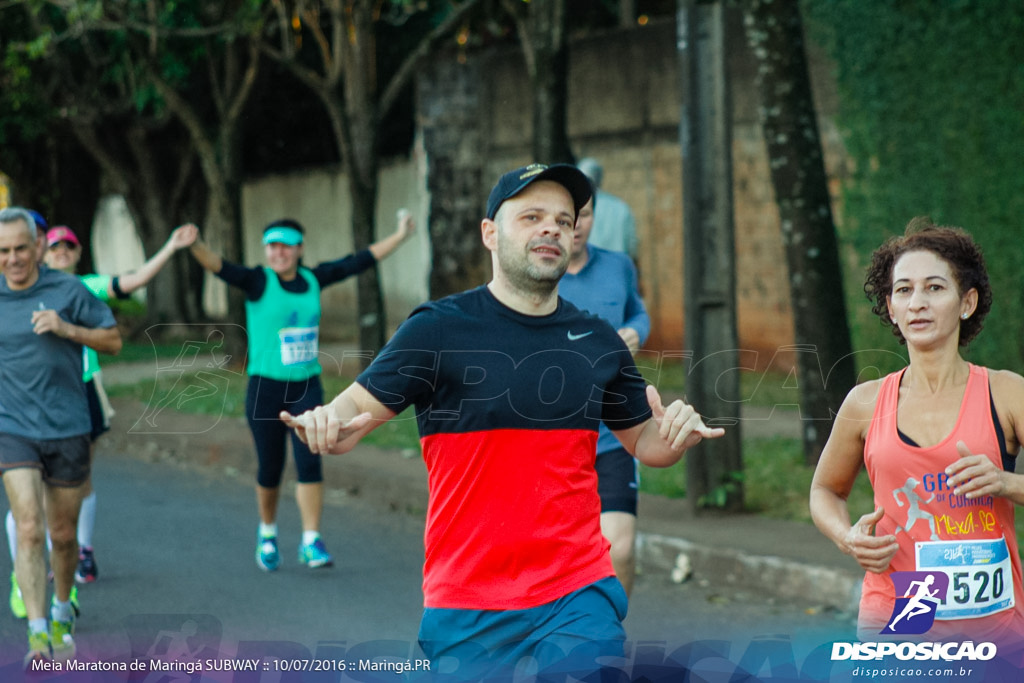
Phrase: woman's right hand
[406,225]
[873,553]
[184,236]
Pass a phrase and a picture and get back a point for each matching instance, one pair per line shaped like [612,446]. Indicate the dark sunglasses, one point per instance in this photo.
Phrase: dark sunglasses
[71,246]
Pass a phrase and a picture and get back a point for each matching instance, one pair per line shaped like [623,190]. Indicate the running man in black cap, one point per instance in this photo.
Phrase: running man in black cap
[509,384]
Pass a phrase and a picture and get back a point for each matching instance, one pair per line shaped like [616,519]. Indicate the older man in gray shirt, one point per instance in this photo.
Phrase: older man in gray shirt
[44,421]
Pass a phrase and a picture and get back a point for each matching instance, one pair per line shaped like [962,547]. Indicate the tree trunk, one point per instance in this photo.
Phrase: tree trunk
[627,13]
[216,141]
[154,200]
[223,217]
[450,115]
[372,323]
[360,93]
[77,188]
[825,365]
[150,166]
[549,75]
[714,468]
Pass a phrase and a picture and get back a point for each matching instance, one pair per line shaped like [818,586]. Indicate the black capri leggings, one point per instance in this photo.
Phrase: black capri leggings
[264,400]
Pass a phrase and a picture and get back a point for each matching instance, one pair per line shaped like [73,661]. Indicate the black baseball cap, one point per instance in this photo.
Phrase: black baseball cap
[514,182]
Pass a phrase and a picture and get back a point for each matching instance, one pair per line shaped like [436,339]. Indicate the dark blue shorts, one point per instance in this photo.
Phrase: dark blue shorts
[618,481]
[573,636]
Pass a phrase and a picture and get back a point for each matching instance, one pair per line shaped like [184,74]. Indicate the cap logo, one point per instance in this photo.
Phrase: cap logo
[532,170]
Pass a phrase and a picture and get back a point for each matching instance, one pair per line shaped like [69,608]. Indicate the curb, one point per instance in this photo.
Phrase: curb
[764,574]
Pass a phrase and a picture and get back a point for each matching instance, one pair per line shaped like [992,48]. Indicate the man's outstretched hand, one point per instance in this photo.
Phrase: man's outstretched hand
[678,423]
[322,430]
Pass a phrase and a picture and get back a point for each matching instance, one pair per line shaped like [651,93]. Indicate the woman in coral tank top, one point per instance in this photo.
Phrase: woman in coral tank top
[939,440]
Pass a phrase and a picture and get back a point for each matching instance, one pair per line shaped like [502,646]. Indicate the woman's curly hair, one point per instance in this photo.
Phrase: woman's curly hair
[953,245]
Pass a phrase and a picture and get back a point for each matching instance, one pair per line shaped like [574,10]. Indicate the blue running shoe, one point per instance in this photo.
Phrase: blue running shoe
[315,554]
[267,557]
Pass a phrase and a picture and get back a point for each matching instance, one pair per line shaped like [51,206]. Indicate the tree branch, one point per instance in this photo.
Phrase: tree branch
[523,29]
[408,67]
[86,136]
[248,81]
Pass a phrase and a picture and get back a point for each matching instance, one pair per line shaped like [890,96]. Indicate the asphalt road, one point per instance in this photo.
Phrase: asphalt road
[177,580]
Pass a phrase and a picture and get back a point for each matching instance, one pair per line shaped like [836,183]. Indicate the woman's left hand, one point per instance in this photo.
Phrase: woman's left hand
[974,476]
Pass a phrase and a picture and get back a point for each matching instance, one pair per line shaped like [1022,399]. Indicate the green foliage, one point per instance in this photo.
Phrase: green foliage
[776,482]
[142,353]
[766,389]
[717,497]
[400,432]
[23,114]
[932,107]
[780,483]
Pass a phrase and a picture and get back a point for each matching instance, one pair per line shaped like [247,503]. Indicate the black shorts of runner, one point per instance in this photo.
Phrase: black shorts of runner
[63,462]
[618,479]
[264,401]
[99,420]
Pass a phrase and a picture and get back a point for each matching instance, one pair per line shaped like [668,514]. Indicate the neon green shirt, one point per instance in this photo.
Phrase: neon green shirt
[99,285]
[284,329]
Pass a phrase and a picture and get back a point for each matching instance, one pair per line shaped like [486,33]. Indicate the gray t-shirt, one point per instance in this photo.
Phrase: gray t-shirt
[41,391]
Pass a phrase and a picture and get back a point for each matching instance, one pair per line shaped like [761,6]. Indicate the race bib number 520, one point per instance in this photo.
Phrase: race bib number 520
[980,576]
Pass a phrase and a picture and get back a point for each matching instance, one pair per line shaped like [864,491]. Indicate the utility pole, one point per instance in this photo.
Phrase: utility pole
[713,468]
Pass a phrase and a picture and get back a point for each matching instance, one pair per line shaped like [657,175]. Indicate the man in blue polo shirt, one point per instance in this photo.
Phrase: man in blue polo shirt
[605,283]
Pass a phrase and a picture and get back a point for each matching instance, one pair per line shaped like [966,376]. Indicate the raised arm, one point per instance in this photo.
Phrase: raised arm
[182,237]
[837,469]
[208,258]
[383,248]
[337,427]
[662,440]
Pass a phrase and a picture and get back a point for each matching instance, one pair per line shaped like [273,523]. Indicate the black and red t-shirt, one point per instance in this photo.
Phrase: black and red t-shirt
[508,408]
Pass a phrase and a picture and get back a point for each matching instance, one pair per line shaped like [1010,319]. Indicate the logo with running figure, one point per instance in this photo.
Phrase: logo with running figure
[918,596]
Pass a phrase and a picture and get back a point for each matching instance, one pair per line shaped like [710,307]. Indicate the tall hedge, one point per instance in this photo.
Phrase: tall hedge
[932,107]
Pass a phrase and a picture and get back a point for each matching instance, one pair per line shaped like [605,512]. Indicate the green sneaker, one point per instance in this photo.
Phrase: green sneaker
[39,649]
[62,633]
[17,603]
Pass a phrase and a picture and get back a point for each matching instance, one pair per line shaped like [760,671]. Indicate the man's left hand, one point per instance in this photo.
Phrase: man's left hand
[678,423]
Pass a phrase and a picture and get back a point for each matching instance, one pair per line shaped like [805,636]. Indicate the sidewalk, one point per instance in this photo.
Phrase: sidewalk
[787,560]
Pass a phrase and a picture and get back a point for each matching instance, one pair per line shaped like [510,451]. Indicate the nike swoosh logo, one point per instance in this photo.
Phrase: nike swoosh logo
[574,337]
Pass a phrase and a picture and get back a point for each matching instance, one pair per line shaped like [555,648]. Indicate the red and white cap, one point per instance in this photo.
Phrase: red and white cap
[61,233]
